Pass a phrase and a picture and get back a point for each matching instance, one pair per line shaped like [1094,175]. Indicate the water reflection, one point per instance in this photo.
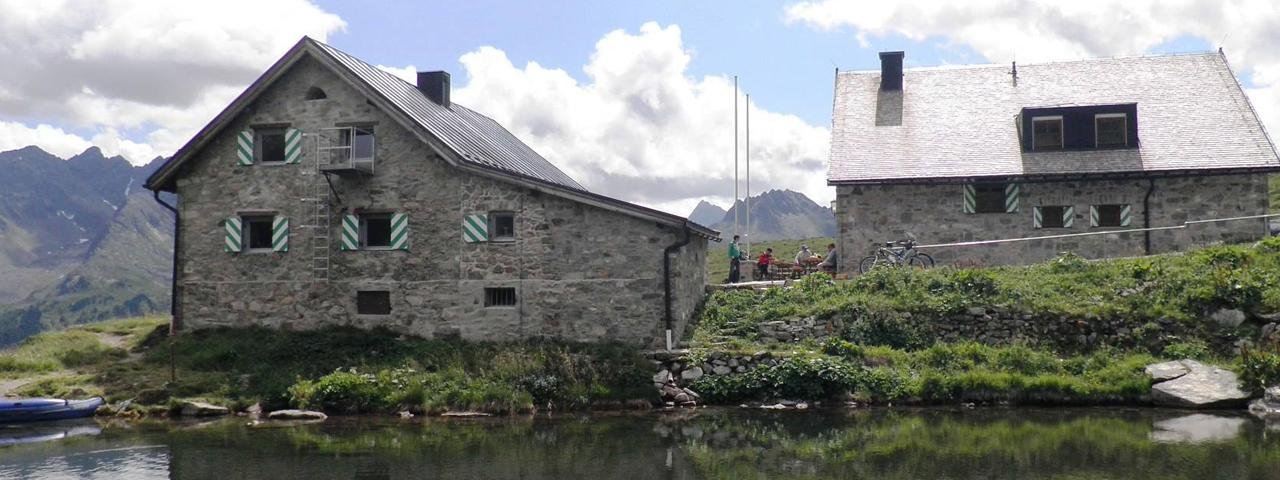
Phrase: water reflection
[878,443]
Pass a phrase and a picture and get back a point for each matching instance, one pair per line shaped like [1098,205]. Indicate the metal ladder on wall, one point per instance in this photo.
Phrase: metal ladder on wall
[316,206]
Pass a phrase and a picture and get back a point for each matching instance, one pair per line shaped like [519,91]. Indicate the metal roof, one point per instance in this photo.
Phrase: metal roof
[959,122]
[477,138]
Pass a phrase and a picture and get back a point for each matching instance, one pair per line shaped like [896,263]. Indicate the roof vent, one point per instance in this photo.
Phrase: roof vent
[435,85]
[891,70]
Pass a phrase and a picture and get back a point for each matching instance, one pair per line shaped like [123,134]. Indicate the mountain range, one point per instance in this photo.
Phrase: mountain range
[80,241]
[775,215]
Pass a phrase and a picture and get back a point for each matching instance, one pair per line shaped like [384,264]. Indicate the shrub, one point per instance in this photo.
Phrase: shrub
[971,282]
[1195,349]
[842,348]
[1260,366]
[1067,262]
[340,391]
[887,329]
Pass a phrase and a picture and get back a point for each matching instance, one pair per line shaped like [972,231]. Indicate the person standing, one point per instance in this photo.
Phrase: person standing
[762,264]
[735,261]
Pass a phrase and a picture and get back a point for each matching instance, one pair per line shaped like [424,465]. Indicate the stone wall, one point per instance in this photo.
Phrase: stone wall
[933,214]
[581,272]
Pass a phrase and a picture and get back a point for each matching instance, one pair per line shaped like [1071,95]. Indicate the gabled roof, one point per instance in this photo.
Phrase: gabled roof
[465,139]
[958,123]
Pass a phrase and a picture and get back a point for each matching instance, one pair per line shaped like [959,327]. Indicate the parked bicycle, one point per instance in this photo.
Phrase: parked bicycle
[895,254]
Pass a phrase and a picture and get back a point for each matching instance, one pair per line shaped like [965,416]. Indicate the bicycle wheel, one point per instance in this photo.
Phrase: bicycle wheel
[921,260]
[867,263]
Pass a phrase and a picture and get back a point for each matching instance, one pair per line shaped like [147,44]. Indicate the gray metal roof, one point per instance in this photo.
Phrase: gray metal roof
[477,138]
[959,122]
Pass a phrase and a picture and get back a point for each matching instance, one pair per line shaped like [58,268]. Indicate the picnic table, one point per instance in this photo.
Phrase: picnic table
[781,269]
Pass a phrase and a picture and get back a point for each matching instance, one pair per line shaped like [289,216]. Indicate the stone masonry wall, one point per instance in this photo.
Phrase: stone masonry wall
[933,214]
[581,273]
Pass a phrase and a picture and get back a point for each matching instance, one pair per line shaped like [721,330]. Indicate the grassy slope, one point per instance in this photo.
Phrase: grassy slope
[380,371]
[718,254]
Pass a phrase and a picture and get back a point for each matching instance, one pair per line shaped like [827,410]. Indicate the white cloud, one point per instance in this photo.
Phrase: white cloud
[408,73]
[641,128]
[162,68]
[1040,30]
[52,139]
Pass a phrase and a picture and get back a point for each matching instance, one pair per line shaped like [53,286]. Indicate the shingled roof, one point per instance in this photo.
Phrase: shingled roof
[472,141]
[958,123]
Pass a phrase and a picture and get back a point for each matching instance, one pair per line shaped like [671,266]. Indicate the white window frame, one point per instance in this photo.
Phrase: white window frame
[1124,116]
[260,158]
[1062,128]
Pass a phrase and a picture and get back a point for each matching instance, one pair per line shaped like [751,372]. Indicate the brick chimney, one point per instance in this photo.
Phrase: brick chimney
[890,70]
[435,85]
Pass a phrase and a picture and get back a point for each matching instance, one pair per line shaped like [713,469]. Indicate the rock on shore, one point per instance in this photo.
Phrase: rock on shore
[1191,384]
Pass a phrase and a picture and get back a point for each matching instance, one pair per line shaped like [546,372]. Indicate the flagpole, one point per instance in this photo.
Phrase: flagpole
[747,200]
[735,155]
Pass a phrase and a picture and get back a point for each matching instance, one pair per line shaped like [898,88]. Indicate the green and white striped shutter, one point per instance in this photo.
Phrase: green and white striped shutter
[244,147]
[1068,216]
[400,231]
[232,241]
[475,228]
[292,145]
[1011,198]
[1124,216]
[1093,215]
[280,234]
[350,233]
[970,199]
[1037,218]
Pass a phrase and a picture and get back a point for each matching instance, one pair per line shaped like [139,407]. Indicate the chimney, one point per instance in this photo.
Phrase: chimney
[435,85]
[890,70]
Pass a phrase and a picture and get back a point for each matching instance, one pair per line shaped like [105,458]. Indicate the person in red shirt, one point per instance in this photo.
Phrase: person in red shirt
[762,263]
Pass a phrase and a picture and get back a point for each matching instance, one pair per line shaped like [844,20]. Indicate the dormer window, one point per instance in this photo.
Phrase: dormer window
[1111,130]
[1046,133]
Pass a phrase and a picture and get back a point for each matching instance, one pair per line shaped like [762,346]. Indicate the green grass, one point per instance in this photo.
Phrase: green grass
[718,254]
[67,349]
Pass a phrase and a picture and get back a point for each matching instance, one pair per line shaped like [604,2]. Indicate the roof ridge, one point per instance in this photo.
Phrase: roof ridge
[968,66]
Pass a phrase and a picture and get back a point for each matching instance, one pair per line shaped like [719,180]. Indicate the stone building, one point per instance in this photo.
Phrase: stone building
[991,152]
[333,193]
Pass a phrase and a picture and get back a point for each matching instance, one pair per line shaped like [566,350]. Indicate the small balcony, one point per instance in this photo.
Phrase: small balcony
[346,151]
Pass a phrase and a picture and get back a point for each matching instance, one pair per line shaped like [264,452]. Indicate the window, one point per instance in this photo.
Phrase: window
[989,198]
[360,140]
[1053,217]
[270,145]
[258,231]
[1046,133]
[1111,130]
[502,227]
[375,230]
[373,302]
[1110,215]
[500,297]
[315,93]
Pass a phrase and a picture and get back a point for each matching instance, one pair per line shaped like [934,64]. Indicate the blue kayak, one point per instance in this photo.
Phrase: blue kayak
[36,409]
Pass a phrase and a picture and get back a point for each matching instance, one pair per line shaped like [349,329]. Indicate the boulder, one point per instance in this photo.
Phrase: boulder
[296,415]
[691,374]
[721,370]
[1202,386]
[1167,370]
[1228,317]
[662,377]
[192,408]
[1267,407]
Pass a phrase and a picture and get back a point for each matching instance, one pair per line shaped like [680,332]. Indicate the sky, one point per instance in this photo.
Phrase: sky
[633,99]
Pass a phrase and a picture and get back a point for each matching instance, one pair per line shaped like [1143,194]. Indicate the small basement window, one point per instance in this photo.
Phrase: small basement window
[269,144]
[258,230]
[1111,130]
[360,140]
[989,198]
[500,297]
[375,230]
[502,227]
[373,302]
[1109,215]
[1046,133]
[1053,216]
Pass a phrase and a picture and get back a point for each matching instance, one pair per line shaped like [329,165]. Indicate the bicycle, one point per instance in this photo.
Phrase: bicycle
[889,255]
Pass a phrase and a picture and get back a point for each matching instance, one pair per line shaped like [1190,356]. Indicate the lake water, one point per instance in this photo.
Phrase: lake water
[876,443]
